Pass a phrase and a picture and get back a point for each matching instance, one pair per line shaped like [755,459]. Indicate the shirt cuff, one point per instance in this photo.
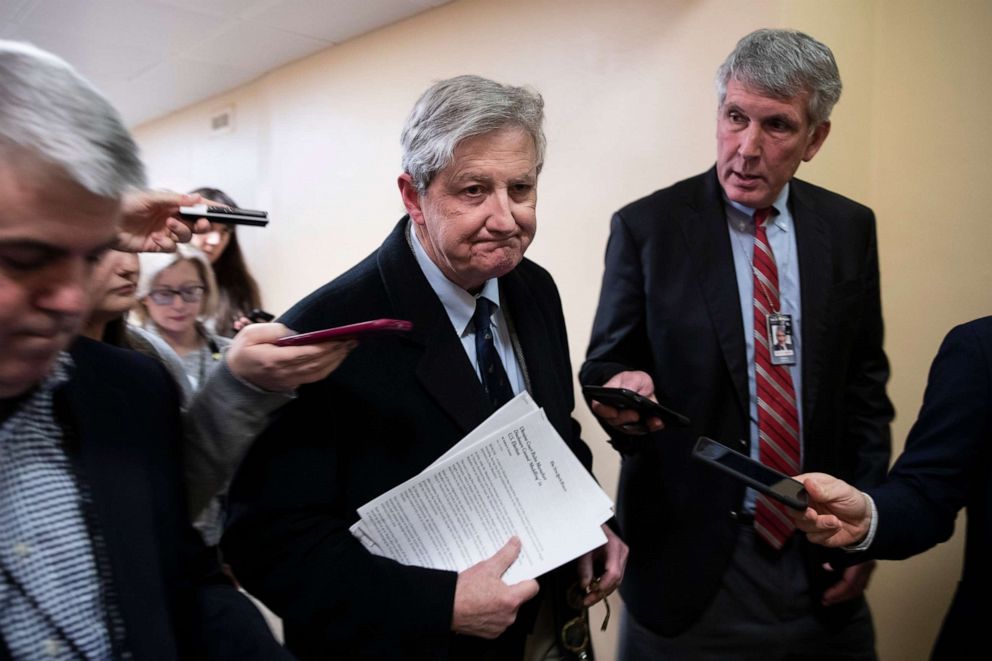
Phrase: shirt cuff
[872,527]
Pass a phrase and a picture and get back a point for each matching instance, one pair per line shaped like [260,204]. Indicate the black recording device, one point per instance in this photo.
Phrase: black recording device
[226,215]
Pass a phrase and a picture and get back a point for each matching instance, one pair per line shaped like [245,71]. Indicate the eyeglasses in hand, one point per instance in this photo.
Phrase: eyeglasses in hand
[165,295]
[575,634]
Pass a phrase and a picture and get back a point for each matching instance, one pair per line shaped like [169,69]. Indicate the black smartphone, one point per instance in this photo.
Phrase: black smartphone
[622,398]
[755,474]
[228,215]
[260,316]
[350,332]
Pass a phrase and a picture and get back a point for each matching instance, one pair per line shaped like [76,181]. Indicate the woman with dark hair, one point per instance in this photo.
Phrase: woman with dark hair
[113,293]
[112,288]
[236,288]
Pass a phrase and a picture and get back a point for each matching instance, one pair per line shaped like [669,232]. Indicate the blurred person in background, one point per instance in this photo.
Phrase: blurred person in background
[112,295]
[176,292]
[237,291]
[222,416]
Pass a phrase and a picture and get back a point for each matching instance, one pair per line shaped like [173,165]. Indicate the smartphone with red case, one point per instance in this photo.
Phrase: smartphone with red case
[350,332]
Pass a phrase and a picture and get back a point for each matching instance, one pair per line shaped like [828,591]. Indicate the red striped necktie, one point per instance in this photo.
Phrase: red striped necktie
[778,419]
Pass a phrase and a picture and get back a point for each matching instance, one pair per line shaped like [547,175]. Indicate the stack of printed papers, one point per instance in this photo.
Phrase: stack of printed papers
[513,475]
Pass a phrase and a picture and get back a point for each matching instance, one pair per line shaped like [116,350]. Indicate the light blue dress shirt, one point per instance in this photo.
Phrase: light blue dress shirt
[782,239]
[460,306]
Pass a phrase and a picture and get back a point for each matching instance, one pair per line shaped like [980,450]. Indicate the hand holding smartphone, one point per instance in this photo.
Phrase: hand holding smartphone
[357,331]
[755,474]
[622,398]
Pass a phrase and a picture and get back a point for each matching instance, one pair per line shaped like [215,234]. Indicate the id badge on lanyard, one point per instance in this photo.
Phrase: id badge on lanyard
[781,347]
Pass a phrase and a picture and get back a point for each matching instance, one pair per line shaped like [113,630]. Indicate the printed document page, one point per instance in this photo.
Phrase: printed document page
[505,416]
[521,479]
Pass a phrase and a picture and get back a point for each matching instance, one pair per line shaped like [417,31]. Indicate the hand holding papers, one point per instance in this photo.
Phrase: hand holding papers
[512,476]
[484,605]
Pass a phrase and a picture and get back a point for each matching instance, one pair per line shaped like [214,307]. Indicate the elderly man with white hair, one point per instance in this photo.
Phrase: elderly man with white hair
[487,324]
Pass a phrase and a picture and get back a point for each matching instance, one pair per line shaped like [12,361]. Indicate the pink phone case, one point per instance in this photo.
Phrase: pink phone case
[352,331]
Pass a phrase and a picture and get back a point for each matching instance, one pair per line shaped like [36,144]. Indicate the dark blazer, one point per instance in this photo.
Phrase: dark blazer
[122,412]
[392,408]
[947,465]
[669,305]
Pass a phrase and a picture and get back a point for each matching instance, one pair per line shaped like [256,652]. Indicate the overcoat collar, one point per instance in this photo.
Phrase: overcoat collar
[444,369]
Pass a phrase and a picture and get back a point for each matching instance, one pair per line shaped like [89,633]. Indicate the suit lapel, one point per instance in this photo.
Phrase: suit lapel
[109,453]
[704,228]
[91,411]
[444,369]
[527,315]
[97,411]
[815,260]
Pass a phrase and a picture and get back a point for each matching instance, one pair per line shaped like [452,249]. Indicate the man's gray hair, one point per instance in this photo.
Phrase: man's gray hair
[49,112]
[458,108]
[782,64]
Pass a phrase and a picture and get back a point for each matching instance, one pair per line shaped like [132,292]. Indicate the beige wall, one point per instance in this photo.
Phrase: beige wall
[631,109]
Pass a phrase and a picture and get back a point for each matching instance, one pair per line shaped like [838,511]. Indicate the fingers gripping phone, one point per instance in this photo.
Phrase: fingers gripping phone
[622,398]
[753,473]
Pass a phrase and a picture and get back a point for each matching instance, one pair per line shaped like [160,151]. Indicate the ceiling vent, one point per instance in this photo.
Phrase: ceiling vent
[222,121]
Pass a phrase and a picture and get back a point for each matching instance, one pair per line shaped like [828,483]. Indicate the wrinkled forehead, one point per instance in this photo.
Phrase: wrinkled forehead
[798,98]
[509,151]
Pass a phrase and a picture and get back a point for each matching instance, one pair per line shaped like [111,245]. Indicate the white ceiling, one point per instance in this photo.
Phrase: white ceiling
[151,57]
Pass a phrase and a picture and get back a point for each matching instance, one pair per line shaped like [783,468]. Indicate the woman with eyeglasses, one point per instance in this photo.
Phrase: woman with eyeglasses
[237,291]
[176,292]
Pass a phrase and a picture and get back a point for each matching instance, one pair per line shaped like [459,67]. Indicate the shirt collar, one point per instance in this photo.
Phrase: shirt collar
[745,214]
[61,372]
[458,303]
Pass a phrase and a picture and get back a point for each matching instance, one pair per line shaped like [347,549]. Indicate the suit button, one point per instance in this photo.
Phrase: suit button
[743,443]
[734,515]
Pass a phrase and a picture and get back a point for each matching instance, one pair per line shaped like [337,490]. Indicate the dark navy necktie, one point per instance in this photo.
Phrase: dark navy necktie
[494,379]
